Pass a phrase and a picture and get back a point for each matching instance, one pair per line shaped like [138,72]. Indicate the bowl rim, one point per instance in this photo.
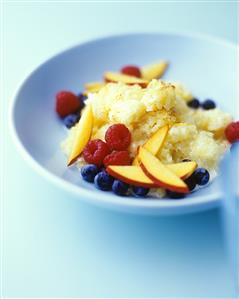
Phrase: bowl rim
[109,199]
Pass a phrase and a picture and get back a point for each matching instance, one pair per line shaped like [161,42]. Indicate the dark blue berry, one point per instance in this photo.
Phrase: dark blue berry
[70,120]
[194,103]
[88,172]
[78,113]
[190,182]
[186,160]
[120,188]
[102,169]
[103,181]
[174,195]
[201,176]
[140,191]
[208,104]
[82,99]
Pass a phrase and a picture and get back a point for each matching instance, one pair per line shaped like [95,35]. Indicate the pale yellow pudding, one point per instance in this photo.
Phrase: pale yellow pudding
[194,134]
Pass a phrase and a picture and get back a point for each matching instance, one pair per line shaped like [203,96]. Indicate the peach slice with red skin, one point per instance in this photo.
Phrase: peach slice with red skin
[135,176]
[93,87]
[129,80]
[160,174]
[155,142]
[132,175]
[135,161]
[82,134]
[182,169]
[154,71]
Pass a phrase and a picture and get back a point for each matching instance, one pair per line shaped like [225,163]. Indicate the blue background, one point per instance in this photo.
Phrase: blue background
[55,245]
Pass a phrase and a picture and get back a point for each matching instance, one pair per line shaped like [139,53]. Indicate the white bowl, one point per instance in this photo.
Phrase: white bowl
[206,66]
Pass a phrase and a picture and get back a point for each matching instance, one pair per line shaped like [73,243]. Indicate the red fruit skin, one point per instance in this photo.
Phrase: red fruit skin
[232,132]
[95,151]
[66,103]
[118,137]
[131,70]
[117,158]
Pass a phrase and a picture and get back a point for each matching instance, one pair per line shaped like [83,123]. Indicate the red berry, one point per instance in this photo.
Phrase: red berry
[232,132]
[66,103]
[117,158]
[131,70]
[95,152]
[118,137]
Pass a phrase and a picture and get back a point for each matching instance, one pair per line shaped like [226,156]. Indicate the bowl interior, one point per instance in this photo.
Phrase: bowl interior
[204,66]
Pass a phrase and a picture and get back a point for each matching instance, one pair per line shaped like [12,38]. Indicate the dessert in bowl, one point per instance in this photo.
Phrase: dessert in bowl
[204,65]
[136,134]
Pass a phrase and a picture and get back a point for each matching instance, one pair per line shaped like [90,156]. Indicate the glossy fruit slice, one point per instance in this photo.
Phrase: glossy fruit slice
[130,80]
[135,161]
[156,141]
[82,134]
[93,87]
[159,173]
[132,175]
[183,169]
[154,71]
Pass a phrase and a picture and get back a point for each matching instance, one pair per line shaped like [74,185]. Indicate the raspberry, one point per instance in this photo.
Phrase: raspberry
[118,137]
[66,103]
[117,158]
[131,70]
[232,132]
[95,152]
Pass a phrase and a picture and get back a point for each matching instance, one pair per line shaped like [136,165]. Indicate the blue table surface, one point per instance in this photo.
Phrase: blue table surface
[57,246]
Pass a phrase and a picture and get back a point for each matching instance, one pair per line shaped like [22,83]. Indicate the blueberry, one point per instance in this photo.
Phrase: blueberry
[103,181]
[201,176]
[70,120]
[82,99]
[174,195]
[88,172]
[208,104]
[191,182]
[120,188]
[194,103]
[140,191]
[102,169]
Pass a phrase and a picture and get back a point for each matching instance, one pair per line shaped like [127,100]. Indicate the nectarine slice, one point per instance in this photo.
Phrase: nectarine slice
[82,134]
[154,71]
[135,161]
[183,169]
[160,174]
[155,142]
[130,80]
[93,87]
[133,175]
